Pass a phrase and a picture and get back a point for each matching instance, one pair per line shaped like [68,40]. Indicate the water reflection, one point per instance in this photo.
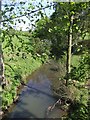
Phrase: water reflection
[36,97]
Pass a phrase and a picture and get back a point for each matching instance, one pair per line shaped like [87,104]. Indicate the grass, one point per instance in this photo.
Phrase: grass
[17,66]
[75,60]
[21,67]
[17,69]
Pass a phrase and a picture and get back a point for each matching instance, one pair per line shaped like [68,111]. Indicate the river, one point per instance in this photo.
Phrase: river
[37,96]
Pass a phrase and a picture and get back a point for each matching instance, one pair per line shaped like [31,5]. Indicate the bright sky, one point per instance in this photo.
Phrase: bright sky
[27,25]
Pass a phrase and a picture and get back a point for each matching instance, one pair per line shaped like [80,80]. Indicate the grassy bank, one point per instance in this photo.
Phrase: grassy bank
[15,71]
[22,56]
[77,89]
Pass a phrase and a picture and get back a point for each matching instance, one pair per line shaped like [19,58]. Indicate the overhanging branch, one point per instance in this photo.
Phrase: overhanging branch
[29,13]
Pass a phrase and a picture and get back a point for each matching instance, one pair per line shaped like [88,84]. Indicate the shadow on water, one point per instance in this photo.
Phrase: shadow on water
[36,96]
[37,91]
[24,113]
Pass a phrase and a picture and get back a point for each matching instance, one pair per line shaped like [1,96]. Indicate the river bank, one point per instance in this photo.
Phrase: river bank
[45,76]
[38,94]
[16,71]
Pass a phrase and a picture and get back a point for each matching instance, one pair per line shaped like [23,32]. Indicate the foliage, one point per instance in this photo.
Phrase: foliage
[22,68]
[56,28]
[79,111]
[81,72]
[80,75]
[20,60]
[25,51]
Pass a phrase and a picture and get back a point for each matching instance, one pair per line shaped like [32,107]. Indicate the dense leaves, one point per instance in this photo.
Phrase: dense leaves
[48,36]
[78,111]
[81,72]
[23,52]
[56,28]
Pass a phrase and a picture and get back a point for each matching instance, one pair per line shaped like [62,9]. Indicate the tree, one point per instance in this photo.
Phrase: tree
[70,38]
[10,17]
[64,29]
[19,45]
[64,23]
[2,77]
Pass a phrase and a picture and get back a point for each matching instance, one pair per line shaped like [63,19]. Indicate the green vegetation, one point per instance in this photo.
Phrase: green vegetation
[20,61]
[65,34]
[22,68]
[75,60]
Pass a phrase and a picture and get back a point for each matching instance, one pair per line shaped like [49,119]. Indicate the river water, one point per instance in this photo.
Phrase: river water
[37,96]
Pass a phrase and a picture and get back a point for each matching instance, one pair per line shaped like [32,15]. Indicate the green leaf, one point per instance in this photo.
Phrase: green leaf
[12,8]
[77,28]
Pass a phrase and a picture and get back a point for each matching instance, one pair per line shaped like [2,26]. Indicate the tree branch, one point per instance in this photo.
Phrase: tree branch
[33,11]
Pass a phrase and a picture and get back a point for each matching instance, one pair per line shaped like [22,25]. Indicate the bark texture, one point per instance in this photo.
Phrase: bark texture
[2,78]
[70,37]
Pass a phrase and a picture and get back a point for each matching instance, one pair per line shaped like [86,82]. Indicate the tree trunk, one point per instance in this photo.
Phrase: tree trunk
[68,65]
[2,78]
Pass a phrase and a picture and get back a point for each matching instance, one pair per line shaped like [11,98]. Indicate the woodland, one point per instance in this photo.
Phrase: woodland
[64,36]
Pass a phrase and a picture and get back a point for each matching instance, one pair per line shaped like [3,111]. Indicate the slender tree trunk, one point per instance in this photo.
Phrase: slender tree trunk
[70,37]
[0,69]
[2,78]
